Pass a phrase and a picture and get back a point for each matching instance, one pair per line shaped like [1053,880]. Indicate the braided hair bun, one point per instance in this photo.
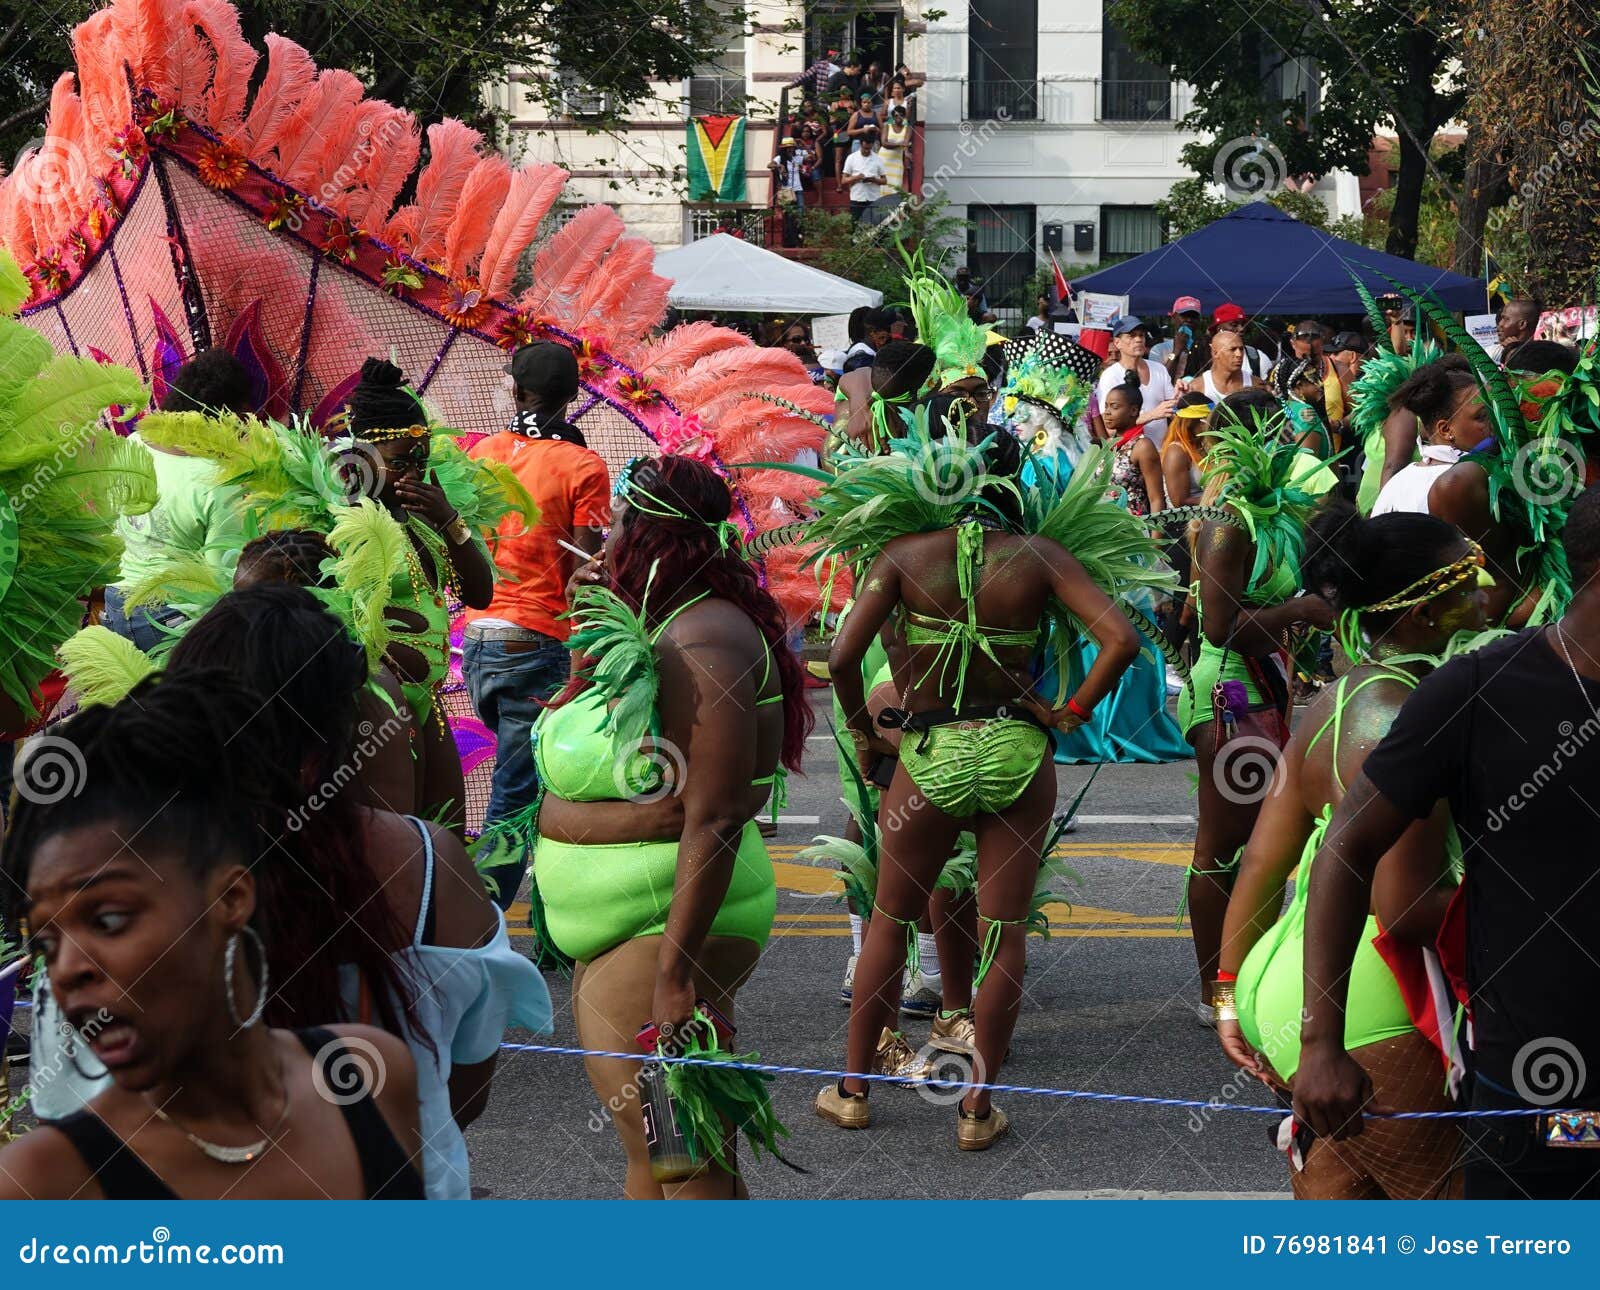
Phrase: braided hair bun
[381,400]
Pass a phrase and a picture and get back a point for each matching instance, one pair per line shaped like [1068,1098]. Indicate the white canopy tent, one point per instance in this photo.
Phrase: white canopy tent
[727,273]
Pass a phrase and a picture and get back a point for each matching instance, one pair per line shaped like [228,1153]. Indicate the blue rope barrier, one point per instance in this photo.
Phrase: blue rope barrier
[1134,1099]
[1070,1094]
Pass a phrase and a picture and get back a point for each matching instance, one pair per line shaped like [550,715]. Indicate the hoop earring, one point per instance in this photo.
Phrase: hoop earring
[244,1023]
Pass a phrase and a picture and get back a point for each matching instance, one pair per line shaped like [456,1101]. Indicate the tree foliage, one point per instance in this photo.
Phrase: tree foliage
[870,255]
[435,59]
[1377,63]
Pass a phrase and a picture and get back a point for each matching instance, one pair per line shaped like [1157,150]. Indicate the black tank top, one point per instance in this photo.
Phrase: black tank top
[387,1173]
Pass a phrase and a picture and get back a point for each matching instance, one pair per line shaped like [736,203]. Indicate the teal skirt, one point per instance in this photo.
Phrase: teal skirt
[1131,724]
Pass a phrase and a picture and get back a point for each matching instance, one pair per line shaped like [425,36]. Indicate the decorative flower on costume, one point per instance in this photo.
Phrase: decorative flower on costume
[638,390]
[516,330]
[284,209]
[590,365]
[129,149]
[401,275]
[466,304]
[686,437]
[342,240]
[50,271]
[221,165]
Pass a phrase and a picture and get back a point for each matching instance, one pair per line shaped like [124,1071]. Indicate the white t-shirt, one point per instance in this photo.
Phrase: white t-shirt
[866,168]
[1159,390]
[1407,490]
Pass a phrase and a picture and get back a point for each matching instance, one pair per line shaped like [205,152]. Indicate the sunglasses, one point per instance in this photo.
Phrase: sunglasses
[416,459]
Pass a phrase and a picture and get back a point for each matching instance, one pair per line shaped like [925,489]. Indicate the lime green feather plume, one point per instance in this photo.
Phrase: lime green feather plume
[1381,376]
[102,667]
[620,660]
[959,874]
[1115,547]
[369,554]
[191,583]
[943,323]
[711,1099]
[481,492]
[65,479]
[1266,487]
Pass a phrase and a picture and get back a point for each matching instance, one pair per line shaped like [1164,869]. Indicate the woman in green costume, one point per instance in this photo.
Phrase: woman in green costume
[969,567]
[686,711]
[1405,584]
[1258,492]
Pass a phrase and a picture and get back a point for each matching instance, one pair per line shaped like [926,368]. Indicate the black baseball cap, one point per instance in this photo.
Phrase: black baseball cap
[547,369]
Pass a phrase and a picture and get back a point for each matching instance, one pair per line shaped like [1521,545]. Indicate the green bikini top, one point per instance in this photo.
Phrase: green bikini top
[578,759]
[956,637]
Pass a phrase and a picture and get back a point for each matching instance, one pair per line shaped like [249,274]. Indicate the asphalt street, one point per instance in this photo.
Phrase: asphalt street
[1108,1008]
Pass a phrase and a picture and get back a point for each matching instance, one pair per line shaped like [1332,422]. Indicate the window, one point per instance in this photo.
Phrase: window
[716,95]
[1000,253]
[1127,231]
[1131,88]
[1003,60]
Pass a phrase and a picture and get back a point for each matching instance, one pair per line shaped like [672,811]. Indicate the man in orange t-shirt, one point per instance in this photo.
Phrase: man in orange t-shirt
[514,654]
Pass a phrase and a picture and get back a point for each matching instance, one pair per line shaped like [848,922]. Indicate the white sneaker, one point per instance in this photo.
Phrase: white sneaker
[1069,824]
[1206,1015]
[921,995]
[847,991]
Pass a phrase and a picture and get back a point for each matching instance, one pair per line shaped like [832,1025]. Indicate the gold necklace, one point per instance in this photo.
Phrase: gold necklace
[226,1155]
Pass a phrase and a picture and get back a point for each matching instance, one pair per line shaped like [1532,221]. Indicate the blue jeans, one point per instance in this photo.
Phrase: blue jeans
[139,626]
[507,680]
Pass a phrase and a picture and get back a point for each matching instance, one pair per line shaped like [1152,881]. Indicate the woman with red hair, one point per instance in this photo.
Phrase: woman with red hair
[686,710]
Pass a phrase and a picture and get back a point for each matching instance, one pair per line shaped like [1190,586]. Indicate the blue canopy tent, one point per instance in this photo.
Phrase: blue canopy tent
[1267,262]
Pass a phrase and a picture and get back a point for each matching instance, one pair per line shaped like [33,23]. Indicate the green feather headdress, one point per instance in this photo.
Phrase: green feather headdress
[1115,547]
[943,323]
[1381,376]
[1266,488]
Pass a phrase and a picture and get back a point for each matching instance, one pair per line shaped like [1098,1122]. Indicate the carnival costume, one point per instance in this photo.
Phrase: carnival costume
[1270,491]
[588,899]
[1047,404]
[65,479]
[969,759]
[1269,989]
[1381,375]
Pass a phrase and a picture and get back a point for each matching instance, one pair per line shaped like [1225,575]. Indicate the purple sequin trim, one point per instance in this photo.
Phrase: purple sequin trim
[127,313]
[305,332]
[438,358]
[66,327]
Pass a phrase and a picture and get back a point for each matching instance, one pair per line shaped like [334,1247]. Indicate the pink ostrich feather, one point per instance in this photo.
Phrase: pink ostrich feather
[289,78]
[741,370]
[685,345]
[397,143]
[533,191]
[144,35]
[102,83]
[625,298]
[452,153]
[233,63]
[482,196]
[345,153]
[302,141]
[567,261]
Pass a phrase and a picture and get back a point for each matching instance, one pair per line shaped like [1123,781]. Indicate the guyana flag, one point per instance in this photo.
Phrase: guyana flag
[716,158]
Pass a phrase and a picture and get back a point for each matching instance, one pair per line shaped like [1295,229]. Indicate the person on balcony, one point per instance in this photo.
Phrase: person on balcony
[864,121]
[897,148]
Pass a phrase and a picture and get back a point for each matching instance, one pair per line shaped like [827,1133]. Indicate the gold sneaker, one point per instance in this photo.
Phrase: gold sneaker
[847,1110]
[954,1032]
[974,1134]
[896,1057]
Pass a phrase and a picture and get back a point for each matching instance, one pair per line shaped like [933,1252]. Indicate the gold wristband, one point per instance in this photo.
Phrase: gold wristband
[1222,994]
[457,532]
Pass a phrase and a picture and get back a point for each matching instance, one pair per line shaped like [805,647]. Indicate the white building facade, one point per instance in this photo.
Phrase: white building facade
[1047,133]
